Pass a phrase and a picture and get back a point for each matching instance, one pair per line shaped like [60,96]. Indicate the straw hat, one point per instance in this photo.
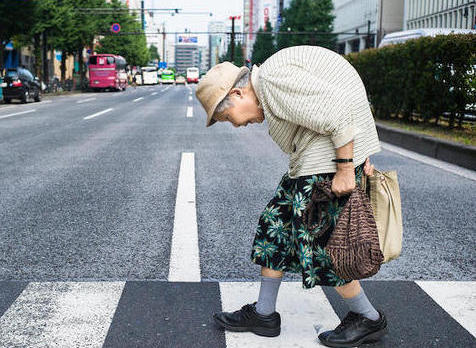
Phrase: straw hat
[216,84]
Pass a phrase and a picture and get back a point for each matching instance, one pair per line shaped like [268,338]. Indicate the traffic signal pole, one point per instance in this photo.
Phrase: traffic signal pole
[232,39]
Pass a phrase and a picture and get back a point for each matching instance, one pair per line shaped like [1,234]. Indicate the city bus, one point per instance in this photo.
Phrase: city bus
[149,75]
[192,75]
[107,71]
[167,76]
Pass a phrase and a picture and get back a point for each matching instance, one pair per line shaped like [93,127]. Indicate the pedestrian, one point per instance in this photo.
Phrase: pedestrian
[317,111]
[134,81]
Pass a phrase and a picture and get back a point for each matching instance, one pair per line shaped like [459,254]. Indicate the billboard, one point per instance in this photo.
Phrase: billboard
[187,39]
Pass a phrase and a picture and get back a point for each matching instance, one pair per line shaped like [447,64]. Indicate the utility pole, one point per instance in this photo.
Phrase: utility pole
[232,39]
[163,42]
[142,14]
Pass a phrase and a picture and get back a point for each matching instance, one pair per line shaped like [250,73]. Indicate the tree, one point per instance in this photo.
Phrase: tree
[154,53]
[264,46]
[238,57]
[308,15]
[16,17]
[132,47]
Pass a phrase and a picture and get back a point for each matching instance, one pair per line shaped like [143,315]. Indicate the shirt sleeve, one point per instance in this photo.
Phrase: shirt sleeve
[299,96]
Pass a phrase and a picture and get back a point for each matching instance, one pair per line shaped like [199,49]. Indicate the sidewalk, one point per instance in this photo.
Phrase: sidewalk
[448,151]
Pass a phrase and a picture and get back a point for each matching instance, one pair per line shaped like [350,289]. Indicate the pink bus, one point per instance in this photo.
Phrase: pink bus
[107,71]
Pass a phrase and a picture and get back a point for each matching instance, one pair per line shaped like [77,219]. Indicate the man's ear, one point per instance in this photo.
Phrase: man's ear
[236,91]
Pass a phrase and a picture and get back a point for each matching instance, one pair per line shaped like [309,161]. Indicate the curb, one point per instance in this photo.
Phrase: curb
[459,154]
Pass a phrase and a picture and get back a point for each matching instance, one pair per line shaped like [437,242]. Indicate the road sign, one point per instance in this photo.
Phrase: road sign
[115,28]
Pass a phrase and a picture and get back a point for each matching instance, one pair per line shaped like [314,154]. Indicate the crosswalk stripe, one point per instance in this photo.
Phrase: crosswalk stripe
[303,311]
[457,298]
[60,314]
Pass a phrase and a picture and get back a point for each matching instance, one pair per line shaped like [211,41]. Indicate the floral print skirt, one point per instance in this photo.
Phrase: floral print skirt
[284,243]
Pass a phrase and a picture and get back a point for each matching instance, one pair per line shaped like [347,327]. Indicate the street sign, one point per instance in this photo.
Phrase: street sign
[115,28]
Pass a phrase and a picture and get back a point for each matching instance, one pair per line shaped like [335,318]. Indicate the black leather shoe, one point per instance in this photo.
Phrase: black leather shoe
[247,319]
[355,330]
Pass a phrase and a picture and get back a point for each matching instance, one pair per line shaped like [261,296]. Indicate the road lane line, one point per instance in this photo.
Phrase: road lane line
[46,102]
[190,111]
[184,255]
[61,314]
[137,99]
[449,167]
[154,93]
[189,98]
[98,113]
[18,113]
[85,100]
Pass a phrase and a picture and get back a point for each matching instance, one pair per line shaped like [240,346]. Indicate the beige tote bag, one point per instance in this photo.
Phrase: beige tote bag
[384,193]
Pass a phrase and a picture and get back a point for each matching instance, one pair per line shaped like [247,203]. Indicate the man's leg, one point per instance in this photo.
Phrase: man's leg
[354,296]
[249,318]
[268,293]
[362,324]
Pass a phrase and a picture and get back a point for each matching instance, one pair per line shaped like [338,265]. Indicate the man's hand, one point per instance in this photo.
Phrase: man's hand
[344,179]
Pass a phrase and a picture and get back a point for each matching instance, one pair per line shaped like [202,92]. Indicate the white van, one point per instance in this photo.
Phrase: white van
[149,75]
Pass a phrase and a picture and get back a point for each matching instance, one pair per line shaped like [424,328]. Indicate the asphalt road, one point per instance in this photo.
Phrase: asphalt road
[89,187]
[94,198]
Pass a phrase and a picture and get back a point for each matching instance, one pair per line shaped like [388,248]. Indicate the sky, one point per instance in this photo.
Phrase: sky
[220,9]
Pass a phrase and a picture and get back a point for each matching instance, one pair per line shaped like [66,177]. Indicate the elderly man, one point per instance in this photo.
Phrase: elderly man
[317,111]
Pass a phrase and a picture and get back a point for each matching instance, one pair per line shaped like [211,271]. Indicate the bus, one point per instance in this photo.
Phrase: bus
[167,76]
[192,75]
[149,75]
[107,71]
[402,36]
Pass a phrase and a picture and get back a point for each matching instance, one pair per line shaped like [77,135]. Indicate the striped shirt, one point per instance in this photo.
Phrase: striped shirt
[314,101]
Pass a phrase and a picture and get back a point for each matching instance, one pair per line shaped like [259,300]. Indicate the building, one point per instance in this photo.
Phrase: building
[203,59]
[186,53]
[255,15]
[216,42]
[449,14]
[360,19]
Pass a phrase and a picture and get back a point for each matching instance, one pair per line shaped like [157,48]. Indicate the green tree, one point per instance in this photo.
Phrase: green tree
[238,57]
[264,46]
[16,17]
[133,47]
[309,16]
[154,53]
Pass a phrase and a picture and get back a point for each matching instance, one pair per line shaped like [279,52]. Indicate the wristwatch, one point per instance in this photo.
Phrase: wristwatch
[343,160]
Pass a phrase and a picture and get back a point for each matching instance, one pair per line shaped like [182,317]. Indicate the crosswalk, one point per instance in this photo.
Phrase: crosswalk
[179,314]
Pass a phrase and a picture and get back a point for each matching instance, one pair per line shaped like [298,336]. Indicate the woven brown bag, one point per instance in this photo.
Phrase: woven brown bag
[354,245]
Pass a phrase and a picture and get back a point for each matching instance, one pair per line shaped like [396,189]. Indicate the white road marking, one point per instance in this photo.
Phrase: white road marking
[85,100]
[189,98]
[137,99]
[154,93]
[452,168]
[304,311]
[18,113]
[189,111]
[456,298]
[98,113]
[184,254]
[61,314]
[46,102]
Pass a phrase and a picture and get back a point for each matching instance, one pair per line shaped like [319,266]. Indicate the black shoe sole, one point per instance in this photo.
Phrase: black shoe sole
[370,338]
[260,331]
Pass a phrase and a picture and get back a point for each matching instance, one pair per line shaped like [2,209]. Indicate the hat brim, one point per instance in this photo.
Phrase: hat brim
[210,120]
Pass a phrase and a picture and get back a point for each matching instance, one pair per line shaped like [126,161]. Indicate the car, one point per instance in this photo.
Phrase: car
[180,79]
[19,83]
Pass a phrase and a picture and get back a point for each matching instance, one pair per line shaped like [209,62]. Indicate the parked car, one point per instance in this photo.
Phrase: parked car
[180,79]
[19,83]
